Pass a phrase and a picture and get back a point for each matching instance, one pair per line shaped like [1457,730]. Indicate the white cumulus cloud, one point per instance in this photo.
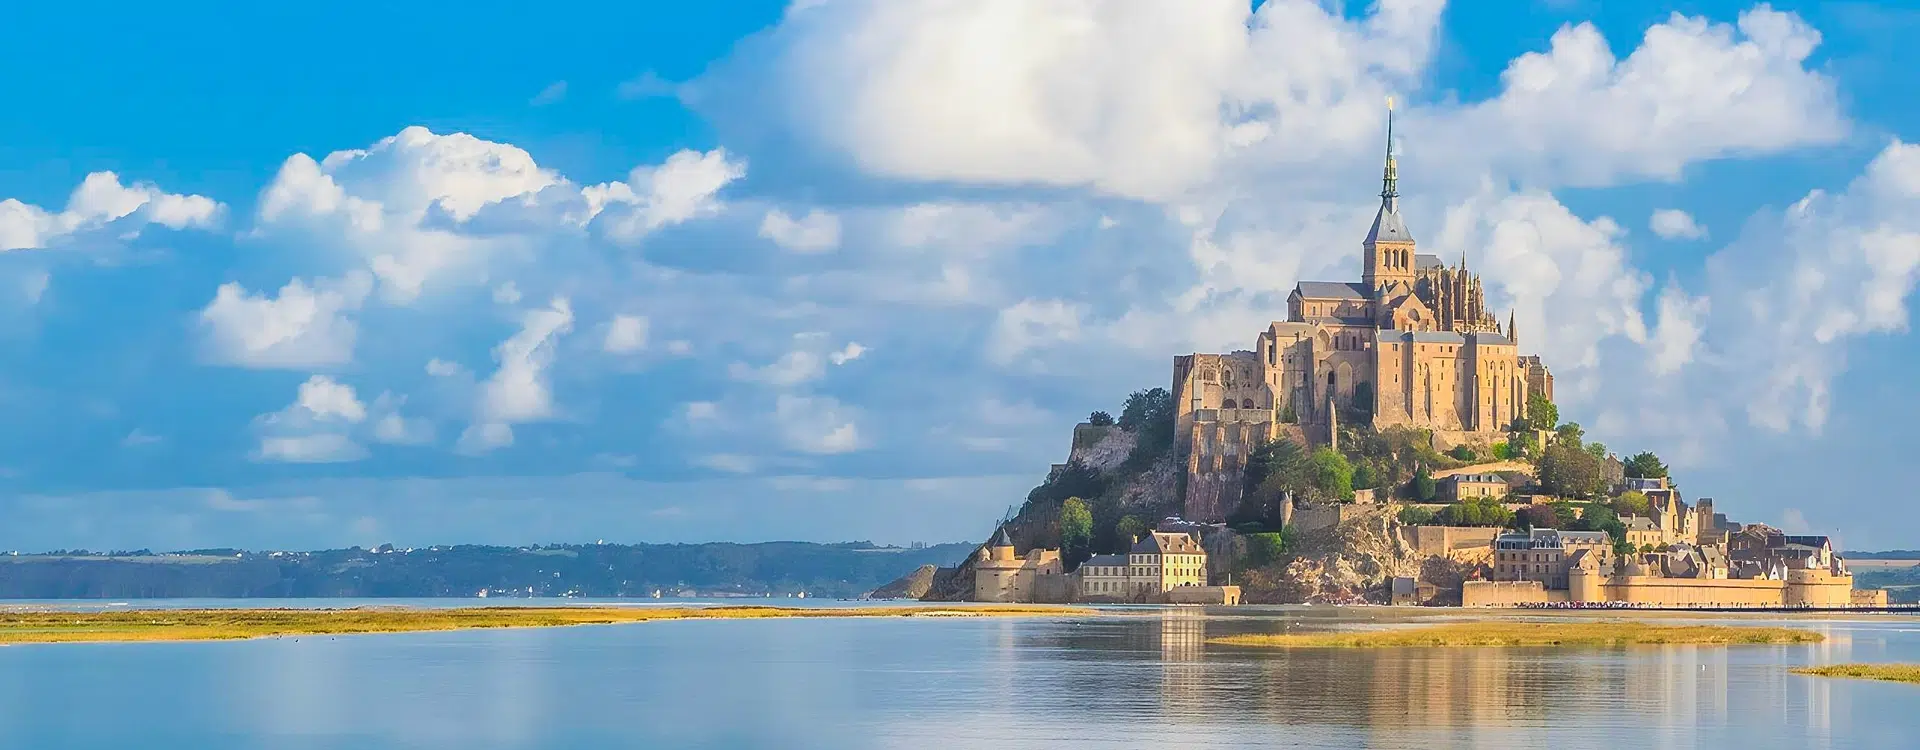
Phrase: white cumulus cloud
[519,390]
[816,232]
[626,334]
[305,326]
[100,200]
[1675,224]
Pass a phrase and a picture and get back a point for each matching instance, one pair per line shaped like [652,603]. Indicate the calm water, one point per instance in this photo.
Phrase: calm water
[1142,681]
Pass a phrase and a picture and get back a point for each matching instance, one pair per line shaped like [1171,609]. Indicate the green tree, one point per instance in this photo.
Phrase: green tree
[1365,477]
[1422,487]
[1265,548]
[1462,453]
[1478,511]
[1414,515]
[1541,413]
[1597,449]
[1288,415]
[1129,529]
[1522,444]
[1076,531]
[1632,503]
[1502,451]
[1100,419]
[1570,432]
[1075,479]
[1148,414]
[1260,498]
[1541,517]
[1331,477]
[1143,407]
[1645,465]
[1568,470]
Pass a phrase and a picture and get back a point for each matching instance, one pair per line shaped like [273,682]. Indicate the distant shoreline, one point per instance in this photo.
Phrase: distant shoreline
[20,627]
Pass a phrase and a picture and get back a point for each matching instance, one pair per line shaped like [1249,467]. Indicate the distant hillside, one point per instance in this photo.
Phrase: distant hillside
[1896,554]
[598,570]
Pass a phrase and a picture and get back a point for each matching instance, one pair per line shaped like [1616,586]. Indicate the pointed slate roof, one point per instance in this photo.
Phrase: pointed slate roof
[1001,539]
[1387,224]
[1331,289]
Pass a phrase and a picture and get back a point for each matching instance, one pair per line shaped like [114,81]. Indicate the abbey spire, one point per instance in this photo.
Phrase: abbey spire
[1389,256]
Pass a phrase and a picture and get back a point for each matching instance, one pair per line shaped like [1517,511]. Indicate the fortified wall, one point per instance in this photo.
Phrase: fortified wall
[1802,588]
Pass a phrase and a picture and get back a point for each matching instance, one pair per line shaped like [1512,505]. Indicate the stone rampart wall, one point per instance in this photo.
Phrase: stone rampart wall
[1694,592]
[1507,594]
[1228,595]
[1440,540]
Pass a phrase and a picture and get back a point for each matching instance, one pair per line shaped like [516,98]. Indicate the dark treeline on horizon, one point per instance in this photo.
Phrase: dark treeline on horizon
[586,570]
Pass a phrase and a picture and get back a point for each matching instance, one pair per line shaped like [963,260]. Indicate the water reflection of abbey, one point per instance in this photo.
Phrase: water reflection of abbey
[1479,696]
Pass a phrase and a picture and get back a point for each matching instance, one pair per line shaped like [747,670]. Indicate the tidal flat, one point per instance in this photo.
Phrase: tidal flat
[1562,634]
[36,626]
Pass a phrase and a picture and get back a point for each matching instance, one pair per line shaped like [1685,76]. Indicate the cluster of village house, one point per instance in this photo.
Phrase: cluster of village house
[1167,565]
[1686,555]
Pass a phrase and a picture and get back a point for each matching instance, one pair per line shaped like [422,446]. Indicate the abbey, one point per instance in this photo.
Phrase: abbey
[1411,344]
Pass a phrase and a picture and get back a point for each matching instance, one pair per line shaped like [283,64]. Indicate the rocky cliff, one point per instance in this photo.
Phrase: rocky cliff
[1354,561]
[1107,469]
[910,586]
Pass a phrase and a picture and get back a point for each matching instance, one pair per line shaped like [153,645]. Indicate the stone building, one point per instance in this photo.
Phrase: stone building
[1545,555]
[1158,563]
[1412,343]
[1459,487]
[1642,532]
[1002,575]
[1761,568]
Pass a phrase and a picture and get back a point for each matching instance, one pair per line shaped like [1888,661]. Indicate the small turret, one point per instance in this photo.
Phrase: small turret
[1001,548]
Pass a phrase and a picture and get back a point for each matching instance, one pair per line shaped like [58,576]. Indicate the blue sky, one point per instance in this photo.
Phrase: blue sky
[850,270]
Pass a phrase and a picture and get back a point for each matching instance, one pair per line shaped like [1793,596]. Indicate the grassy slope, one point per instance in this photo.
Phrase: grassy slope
[227,624]
[1531,634]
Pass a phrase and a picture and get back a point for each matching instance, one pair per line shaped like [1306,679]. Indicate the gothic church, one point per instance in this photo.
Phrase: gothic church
[1411,344]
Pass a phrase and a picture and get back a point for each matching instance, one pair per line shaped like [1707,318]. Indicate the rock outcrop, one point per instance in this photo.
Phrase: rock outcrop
[1354,562]
[910,586]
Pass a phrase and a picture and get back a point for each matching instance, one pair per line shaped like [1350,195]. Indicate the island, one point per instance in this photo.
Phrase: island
[1384,441]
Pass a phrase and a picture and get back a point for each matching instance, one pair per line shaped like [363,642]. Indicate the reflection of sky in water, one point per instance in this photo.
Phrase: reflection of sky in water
[1142,680]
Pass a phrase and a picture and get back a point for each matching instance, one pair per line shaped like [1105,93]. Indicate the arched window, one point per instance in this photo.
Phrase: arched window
[1246,403]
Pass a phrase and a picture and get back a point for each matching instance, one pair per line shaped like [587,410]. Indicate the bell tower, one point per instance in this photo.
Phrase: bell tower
[1389,246]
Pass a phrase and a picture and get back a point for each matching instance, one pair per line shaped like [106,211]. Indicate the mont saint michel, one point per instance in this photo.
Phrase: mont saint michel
[959,374]
[1389,441]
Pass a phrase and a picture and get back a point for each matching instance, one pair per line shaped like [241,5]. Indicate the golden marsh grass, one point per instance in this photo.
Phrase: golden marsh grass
[230,624]
[1566,634]
[1888,672]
